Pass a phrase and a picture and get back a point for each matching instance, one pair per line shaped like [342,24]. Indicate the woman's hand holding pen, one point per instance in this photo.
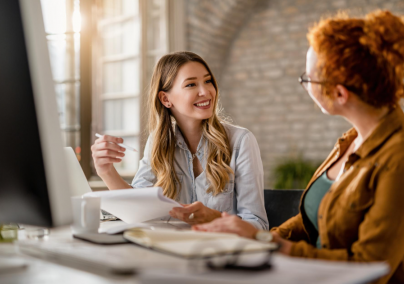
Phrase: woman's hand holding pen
[106,151]
[195,213]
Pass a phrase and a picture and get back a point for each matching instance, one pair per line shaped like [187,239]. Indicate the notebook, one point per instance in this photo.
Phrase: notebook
[192,244]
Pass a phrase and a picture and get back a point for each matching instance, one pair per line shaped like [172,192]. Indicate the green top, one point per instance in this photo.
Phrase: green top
[313,198]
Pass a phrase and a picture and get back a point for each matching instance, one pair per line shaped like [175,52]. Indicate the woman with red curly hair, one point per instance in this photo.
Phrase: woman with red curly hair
[352,209]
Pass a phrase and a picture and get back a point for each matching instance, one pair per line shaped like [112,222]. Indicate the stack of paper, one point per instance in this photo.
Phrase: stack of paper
[135,205]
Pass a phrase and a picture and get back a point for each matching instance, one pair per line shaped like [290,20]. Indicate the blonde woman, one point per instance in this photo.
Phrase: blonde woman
[192,153]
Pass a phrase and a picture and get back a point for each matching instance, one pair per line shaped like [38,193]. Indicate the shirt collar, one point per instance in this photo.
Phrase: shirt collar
[345,140]
[387,126]
[180,141]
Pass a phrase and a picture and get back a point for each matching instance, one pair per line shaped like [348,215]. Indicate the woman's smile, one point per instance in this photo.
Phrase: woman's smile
[203,104]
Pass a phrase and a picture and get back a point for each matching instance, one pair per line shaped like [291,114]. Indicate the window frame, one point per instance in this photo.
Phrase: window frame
[174,29]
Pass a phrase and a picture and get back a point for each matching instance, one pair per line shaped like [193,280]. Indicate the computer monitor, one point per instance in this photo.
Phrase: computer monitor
[34,184]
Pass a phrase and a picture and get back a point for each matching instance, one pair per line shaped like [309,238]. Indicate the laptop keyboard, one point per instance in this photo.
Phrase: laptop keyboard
[108,216]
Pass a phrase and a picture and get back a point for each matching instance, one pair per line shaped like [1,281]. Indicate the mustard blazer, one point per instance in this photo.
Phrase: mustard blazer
[361,217]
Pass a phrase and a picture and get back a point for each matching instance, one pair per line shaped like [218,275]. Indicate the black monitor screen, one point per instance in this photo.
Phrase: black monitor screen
[23,188]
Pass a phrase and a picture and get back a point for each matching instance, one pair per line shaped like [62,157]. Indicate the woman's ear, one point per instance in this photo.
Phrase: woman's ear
[341,95]
[164,99]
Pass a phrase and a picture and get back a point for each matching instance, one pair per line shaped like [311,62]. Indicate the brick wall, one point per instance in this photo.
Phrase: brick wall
[257,50]
[212,27]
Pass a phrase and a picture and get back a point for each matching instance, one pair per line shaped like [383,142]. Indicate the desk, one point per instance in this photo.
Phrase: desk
[158,268]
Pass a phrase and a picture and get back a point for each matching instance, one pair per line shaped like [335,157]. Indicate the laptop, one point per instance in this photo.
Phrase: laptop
[78,181]
[82,255]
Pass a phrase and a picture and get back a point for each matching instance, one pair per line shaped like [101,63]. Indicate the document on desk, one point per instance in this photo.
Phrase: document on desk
[191,244]
[135,205]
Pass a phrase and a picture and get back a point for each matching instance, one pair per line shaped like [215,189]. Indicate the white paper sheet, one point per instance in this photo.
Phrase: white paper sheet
[135,205]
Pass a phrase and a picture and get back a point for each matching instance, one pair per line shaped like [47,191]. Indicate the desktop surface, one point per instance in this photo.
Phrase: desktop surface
[154,267]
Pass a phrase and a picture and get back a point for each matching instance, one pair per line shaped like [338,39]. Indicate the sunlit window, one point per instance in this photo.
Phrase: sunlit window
[118,74]
[62,25]
[128,39]
[127,49]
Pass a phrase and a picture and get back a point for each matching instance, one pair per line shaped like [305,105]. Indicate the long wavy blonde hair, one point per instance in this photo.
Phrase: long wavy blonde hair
[162,123]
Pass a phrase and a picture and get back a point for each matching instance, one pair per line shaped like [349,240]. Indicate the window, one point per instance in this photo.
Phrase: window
[132,36]
[111,59]
[62,27]
[157,34]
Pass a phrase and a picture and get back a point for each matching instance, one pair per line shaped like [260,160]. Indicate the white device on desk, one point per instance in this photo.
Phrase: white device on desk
[86,211]
[79,255]
[34,186]
[78,181]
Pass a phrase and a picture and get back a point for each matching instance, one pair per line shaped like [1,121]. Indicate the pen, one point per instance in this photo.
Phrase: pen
[120,144]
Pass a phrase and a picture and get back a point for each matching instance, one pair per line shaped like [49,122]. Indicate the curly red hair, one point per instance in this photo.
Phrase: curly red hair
[365,55]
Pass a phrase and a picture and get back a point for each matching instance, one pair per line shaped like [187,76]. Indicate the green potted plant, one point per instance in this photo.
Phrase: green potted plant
[294,173]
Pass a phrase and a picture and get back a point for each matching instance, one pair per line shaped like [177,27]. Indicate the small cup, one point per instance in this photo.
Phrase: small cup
[8,233]
[86,214]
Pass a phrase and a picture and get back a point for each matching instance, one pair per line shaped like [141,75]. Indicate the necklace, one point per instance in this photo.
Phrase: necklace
[193,156]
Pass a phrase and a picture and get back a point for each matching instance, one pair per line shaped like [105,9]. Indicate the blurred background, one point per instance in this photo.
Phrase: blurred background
[103,52]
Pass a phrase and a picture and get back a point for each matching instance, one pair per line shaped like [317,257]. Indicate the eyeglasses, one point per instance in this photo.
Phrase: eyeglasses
[304,81]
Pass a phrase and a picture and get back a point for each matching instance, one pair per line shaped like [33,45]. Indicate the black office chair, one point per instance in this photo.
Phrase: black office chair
[281,204]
